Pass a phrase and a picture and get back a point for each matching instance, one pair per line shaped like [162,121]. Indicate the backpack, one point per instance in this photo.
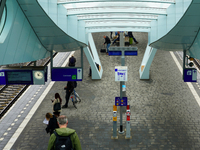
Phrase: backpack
[62,142]
[57,106]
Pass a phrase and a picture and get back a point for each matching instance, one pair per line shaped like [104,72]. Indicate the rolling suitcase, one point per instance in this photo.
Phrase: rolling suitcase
[103,50]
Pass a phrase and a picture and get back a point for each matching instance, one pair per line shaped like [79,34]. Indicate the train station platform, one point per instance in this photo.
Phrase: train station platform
[165,112]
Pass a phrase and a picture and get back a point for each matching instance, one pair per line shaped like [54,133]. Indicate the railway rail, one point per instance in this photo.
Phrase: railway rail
[197,63]
[10,93]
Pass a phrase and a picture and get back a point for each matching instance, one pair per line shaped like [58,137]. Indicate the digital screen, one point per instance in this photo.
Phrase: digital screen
[19,77]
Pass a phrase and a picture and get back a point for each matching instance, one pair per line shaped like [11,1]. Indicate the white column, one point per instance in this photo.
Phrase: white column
[146,62]
[93,57]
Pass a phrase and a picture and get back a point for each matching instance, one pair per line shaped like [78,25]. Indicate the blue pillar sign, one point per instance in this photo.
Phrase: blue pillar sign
[190,75]
[120,102]
[66,74]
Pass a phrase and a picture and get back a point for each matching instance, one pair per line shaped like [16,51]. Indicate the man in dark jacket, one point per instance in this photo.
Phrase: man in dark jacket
[72,61]
[108,42]
[69,89]
[64,131]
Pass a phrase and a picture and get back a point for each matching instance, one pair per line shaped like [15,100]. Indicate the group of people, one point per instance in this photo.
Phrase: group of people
[57,124]
[117,35]
[62,137]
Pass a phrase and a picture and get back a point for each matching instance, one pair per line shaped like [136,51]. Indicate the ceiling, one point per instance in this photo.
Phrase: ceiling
[127,14]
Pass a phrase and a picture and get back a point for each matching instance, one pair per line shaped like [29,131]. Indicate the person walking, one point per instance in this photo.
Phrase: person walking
[108,42]
[131,38]
[53,123]
[69,89]
[72,61]
[55,101]
[69,136]
[116,39]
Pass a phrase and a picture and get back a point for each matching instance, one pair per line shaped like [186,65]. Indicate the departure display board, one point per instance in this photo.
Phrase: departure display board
[19,77]
[36,75]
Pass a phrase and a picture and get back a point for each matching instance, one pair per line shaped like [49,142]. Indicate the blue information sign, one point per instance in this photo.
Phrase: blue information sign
[66,74]
[119,53]
[115,53]
[120,102]
[130,53]
[190,75]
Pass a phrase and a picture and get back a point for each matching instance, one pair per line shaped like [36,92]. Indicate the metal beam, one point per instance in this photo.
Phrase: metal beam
[146,25]
[115,4]
[88,1]
[108,29]
[114,11]
[115,19]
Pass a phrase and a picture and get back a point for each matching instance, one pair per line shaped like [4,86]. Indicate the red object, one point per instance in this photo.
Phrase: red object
[128,116]
[128,107]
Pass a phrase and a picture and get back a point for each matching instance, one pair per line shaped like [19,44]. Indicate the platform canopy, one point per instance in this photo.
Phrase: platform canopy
[111,15]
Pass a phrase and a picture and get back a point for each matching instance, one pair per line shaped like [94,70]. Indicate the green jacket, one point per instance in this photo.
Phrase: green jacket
[65,132]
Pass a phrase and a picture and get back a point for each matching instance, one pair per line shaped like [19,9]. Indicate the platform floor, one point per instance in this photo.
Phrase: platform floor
[165,114]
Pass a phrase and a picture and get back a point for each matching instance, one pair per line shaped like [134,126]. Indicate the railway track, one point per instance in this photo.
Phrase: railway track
[10,93]
[197,63]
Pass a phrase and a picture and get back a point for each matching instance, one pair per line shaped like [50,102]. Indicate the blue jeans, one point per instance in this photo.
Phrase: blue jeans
[108,45]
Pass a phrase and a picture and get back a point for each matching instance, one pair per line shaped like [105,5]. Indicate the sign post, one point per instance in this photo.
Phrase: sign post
[128,124]
[121,71]
[114,123]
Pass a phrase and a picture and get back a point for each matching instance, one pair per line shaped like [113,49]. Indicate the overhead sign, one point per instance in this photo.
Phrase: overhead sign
[190,75]
[120,102]
[66,74]
[26,75]
[121,73]
[128,51]
[119,53]
[19,76]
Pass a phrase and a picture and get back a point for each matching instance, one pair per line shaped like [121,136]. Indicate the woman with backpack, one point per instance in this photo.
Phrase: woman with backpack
[57,103]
